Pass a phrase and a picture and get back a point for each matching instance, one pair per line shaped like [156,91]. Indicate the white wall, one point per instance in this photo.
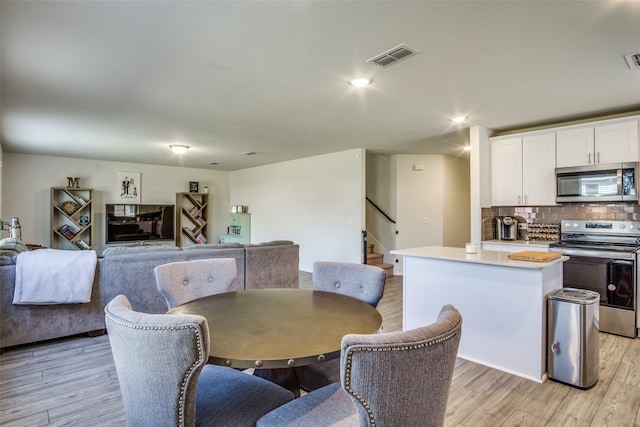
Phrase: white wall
[457,202]
[1,173]
[27,182]
[420,195]
[433,199]
[480,178]
[317,202]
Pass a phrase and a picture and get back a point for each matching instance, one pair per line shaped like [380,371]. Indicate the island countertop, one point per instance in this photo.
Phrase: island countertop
[480,257]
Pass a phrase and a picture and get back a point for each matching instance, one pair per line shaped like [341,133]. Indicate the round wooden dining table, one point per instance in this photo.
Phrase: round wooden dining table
[280,328]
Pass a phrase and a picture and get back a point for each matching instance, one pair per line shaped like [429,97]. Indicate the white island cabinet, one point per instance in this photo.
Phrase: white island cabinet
[502,302]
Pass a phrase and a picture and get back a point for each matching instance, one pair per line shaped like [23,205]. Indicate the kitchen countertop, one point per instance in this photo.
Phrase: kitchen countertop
[480,257]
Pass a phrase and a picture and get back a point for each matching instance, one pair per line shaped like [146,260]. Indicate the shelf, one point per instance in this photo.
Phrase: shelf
[72,218]
[192,216]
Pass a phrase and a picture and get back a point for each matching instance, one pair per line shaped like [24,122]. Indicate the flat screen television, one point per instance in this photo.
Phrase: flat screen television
[140,223]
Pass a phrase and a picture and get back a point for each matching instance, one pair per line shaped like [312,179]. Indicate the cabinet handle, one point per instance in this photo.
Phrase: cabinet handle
[526,200]
[598,157]
[519,199]
[589,158]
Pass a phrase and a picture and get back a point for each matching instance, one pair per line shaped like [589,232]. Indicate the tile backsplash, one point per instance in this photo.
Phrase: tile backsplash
[555,214]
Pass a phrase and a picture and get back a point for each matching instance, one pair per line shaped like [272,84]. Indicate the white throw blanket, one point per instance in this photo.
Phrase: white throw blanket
[53,276]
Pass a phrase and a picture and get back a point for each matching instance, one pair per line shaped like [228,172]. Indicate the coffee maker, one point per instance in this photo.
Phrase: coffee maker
[506,228]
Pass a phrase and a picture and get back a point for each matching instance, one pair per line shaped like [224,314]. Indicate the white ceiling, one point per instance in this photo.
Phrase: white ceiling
[121,80]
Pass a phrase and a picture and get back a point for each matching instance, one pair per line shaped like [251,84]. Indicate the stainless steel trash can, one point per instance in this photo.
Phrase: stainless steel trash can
[573,347]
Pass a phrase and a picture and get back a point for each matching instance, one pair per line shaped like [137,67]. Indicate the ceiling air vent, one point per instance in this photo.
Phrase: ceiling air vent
[633,60]
[396,54]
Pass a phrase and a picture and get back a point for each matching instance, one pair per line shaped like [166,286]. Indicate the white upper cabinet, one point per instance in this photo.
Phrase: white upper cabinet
[617,142]
[522,170]
[538,169]
[574,147]
[506,172]
[609,142]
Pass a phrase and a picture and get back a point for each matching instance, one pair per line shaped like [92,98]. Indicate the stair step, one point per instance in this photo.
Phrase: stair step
[374,258]
[388,268]
[369,248]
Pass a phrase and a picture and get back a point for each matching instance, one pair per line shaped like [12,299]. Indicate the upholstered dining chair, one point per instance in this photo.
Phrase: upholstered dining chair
[161,362]
[361,281]
[184,281]
[388,379]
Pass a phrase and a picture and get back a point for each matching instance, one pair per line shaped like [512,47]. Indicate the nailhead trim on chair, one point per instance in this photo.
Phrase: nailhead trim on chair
[187,375]
[347,375]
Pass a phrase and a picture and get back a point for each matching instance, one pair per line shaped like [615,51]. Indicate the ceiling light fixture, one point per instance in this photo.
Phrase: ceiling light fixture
[458,119]
[360,82]
[179,149]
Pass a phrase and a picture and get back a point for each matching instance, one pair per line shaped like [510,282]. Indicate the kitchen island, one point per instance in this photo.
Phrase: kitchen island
[502,302]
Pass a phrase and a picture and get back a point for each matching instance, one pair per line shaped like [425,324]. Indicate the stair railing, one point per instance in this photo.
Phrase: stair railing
[364,232]
[380,210]
[364,245]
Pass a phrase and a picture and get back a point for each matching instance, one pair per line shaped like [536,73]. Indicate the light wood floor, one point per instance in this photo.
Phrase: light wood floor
[72,382]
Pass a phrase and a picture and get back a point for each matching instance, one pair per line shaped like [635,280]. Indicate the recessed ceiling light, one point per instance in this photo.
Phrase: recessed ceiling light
[179,149]
[249,153]
[360,82]
[458,119]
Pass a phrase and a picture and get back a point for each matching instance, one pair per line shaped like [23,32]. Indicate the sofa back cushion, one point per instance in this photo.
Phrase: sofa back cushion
[130,250]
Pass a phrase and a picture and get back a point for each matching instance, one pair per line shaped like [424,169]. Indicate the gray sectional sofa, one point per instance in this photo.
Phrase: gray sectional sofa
[129,271]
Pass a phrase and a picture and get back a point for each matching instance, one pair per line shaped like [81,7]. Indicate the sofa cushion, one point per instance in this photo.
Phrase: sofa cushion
[128,250]
[212,246]
[272,243]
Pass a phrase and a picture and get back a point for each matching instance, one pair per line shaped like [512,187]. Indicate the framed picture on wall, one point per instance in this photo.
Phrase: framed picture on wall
[129,187]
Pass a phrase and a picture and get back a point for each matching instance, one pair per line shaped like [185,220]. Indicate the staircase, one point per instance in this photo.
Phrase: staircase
[376,260]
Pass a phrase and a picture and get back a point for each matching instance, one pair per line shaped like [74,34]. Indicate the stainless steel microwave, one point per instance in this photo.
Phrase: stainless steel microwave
[608,182]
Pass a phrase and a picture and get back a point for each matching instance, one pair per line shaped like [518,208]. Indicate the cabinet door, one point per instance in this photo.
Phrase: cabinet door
[538,169]
[617,142]
[574,147]
[506,172]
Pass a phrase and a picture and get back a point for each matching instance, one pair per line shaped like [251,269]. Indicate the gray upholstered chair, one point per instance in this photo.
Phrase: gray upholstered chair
[390,379]
[161,361]
[361,281]
[184,281]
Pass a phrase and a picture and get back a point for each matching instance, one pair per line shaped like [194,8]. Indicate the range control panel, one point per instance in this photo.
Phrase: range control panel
[600,227]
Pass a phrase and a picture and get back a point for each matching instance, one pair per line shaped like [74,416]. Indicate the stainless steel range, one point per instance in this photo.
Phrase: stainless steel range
[603,258]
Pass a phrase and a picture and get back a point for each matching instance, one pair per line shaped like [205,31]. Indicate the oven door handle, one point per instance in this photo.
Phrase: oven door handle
[621,261]
[590,253]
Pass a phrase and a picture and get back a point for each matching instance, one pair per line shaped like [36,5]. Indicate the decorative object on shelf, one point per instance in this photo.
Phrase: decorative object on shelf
[239,209]
[69,207]
[84,220]
[206,190]
[193,186]
[129,188]
[73,182]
